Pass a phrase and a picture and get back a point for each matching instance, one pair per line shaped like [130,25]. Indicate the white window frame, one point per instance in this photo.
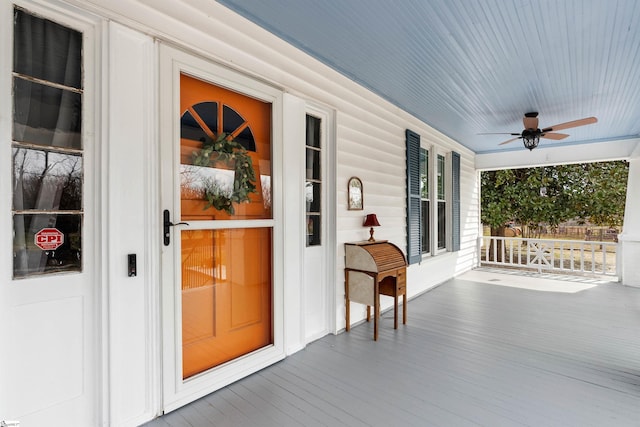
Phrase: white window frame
[427,251]
[433,153]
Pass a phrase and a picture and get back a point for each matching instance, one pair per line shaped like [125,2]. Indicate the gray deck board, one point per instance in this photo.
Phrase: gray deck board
[472,354]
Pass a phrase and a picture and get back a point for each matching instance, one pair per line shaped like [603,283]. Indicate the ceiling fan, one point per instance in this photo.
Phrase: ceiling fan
[531,134]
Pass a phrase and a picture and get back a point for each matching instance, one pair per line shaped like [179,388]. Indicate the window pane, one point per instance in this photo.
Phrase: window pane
[313,164]
[46,244]
[441,178]
[46,50]
[198,124]
[191,129]
[424,173]
[46,181]
[426,243]
[312,196]
[313,230]
[442,225]
[313,131]
[231,122]
[44,115]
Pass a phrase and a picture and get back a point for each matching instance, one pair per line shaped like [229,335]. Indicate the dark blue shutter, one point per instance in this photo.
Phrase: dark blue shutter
[414,241]
[455,198]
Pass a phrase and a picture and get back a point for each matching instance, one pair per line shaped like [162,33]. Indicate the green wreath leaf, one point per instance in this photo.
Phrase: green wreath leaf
[231,153]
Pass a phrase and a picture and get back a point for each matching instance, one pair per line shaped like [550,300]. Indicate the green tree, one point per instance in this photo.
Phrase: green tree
[549,195]
[602,196]
[498,194]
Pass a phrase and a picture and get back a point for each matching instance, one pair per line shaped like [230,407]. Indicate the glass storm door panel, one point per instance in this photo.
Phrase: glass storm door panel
[226,295]
[224,138]
[226,267]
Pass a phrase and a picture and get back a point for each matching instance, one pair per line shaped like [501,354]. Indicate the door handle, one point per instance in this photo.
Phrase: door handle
[166,233]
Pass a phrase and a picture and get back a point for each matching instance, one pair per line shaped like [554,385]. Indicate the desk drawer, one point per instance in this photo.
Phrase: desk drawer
[401,278]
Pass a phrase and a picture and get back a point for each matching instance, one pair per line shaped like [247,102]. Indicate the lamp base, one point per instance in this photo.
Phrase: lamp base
[371,239]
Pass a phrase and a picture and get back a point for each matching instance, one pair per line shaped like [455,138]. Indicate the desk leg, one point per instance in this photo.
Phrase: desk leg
[347,315]
[404,309]
[346,302]
[368,313]
[376,309]
[375,321]
[395,310]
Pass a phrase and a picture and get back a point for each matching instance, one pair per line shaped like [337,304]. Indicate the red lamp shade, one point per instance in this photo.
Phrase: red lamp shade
[371,221]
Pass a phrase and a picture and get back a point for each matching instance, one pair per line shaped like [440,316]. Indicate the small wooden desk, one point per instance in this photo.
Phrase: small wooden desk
[372,269]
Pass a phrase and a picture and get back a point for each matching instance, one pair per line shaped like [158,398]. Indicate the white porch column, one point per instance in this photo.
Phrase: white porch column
[629,246]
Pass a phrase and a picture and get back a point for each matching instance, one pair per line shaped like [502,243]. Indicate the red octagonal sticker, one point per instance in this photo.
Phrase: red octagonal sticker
[49,239]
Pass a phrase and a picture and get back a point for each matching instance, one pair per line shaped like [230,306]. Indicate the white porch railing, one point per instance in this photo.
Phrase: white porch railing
[569,256]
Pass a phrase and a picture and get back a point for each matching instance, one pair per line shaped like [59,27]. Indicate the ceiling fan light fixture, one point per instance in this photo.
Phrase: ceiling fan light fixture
[530,139]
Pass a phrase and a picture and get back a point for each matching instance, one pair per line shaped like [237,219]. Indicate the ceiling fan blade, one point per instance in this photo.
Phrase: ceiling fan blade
[510,140]
[530,122]
[555,136]
[499,133]
[572,124]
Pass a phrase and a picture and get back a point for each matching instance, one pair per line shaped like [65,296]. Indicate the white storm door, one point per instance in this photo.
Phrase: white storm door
[222,311]
[318,308]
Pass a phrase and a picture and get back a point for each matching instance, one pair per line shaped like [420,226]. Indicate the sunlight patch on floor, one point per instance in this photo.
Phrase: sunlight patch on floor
[530,281]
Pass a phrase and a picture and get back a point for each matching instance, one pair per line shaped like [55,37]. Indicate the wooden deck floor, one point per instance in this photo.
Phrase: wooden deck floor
[472,354]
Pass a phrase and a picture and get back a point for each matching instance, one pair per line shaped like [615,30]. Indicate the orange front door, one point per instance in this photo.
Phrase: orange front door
[225,174]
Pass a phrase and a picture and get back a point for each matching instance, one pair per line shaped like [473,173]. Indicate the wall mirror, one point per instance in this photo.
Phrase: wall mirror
[355,194]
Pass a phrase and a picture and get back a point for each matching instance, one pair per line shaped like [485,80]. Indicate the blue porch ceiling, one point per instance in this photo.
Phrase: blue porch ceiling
[468,67]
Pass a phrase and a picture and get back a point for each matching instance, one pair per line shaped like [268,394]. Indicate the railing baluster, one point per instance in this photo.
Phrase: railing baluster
[495,250]
[486,249]
[510,251]
[519,253]
[572,257]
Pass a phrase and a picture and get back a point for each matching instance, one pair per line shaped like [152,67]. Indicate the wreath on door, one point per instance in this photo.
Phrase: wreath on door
[227,151]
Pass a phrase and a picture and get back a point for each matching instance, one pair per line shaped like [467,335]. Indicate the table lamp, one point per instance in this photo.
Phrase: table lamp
[371,221]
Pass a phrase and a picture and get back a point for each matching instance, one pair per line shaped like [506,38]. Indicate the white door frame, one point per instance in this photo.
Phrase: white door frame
[176,391]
